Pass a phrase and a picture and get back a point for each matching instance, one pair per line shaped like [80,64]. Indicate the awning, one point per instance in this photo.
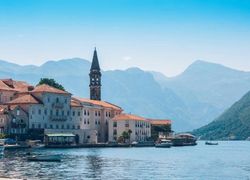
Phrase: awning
[60,135]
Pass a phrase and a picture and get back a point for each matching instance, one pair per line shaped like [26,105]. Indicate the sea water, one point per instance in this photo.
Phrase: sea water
[228,160]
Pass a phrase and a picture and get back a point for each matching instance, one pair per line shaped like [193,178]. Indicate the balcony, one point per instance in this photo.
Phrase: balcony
[58,118]
[18,125]
[57,105]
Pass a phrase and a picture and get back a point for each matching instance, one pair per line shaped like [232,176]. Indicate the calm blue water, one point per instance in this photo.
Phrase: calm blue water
[229,160]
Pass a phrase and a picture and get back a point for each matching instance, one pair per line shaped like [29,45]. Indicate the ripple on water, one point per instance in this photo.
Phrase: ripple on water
[200,162]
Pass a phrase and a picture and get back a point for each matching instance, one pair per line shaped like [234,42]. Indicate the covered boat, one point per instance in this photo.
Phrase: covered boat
[164,144]
[184,139]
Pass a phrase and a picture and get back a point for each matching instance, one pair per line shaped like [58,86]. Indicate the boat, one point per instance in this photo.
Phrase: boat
[184,139]
[45,158]
[1,149]
[143,144]
[35,144]
[211,143]
[14,146]
[164,144]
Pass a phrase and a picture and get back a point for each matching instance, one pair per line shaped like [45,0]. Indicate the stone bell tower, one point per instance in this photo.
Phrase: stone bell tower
[95,78]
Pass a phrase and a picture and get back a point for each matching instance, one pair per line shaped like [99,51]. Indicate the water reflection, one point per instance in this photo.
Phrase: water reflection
[95,163]
[200,162]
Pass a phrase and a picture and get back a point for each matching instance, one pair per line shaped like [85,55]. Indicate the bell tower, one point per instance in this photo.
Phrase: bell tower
[95,78]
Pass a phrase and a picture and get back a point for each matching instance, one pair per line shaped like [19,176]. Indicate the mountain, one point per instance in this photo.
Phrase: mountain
[192,99]
[135,90]
[232,124]
[207,89]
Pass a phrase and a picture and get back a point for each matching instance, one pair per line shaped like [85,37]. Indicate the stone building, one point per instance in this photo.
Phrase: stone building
[4,119]
[25,109]
[97,115]
[138,127]
[160,129]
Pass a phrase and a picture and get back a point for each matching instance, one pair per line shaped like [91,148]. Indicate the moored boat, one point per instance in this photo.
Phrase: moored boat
[164,144]
[45,158]
[1,149]
[184,139]
[14,146]
[35,144]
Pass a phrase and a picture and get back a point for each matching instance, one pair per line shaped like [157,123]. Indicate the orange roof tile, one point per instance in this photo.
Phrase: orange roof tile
[99,103]
[25,99]
[13,85]
[5,87]
[75,103]
[46,88]
[160,121]
[21,86]
[121,117]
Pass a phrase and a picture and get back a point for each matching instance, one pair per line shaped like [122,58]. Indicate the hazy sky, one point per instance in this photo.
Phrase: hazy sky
[160,35]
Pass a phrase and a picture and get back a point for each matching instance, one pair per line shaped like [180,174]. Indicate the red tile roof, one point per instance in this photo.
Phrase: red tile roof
[25,99]
[22,86]
[132,117]
[46,88]
[5,87]
[12,85]
[160,121]
[99,103]
[75,103]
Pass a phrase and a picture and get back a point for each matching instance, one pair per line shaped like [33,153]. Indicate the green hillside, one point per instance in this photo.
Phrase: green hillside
[233,124]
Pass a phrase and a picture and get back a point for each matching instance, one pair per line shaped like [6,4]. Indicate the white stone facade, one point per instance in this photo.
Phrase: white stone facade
[140,128]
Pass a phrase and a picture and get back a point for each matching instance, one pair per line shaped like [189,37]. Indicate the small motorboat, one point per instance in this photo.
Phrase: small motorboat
[211,143]
[164,144]
[35,144]
[1,149]
[13,146]
[45,158]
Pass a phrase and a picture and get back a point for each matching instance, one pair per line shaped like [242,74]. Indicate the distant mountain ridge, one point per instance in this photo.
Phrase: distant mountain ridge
[207,89]
[192,99]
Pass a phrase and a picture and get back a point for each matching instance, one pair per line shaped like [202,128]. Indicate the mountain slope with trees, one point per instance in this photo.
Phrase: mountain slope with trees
[233,124]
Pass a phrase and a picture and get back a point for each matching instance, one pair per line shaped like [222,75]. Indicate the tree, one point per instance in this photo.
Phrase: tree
[51,82]
[129,134]
[125,135]
[120,139]
[2,136]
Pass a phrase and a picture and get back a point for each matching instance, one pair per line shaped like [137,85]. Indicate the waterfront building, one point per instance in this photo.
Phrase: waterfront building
[4,119]
[32,112]
[160,128]
[138,128]
[9,89]
[96,116]
[53,111]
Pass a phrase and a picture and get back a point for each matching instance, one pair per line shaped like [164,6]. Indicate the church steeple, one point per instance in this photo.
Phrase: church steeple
[95,62]
[95,78]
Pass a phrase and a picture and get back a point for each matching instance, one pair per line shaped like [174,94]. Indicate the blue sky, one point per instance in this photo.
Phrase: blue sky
[160,35]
